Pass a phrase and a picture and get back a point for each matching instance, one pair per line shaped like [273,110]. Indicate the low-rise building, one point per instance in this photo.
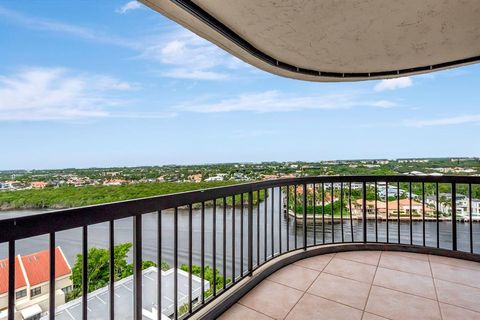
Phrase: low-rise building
[39,184]
[32,284]
[98,300]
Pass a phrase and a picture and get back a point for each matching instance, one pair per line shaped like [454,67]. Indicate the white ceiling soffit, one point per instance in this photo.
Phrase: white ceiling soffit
[336,40]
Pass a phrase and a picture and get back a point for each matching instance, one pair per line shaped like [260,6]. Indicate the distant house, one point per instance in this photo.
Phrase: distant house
[32,283]
[114,182]
[269,176]
[195,177]
[394,207]
[392,192]
[217,177]
[39,185]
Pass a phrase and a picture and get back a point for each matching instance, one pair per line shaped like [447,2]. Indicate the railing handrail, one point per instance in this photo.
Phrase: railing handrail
[60,220]
[51,222]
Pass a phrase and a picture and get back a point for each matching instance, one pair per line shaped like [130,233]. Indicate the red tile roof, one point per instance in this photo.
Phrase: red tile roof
[19,278]
[37,266]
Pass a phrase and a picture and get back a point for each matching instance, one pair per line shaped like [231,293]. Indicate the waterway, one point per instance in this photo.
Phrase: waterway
[70,241]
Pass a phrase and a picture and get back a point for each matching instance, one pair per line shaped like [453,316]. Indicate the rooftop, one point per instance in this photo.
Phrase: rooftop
[33,269]
[98,301]
[370,285]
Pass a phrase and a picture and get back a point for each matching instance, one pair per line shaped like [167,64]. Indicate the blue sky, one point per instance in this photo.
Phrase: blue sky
[112,83]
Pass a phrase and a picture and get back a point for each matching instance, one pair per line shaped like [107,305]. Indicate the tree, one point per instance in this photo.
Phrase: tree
[98,268]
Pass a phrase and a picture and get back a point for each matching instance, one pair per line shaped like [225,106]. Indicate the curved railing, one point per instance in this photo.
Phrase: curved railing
[239,229]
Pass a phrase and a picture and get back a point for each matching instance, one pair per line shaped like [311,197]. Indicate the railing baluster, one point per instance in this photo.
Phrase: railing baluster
[272,225]
[438,213]
[11,279]
[84,272]
[241,235]
[410,214]
[387,213]
[224,244]
[454,217]
[332,205]
[111,266]
[279,220]
[258,228]
[159,265]
[233,240]
[341,211]
[137,266]
[51,292]
[376,212]
[175,264]
[364,201]
[314,215]
[423,211]
[202,249]
[265,221]
[250,233]
[214,246]
[398,212]
[470,216]
[350,209]
[288,217]
[190,258]
[304,217]
[323,213]
[295,213]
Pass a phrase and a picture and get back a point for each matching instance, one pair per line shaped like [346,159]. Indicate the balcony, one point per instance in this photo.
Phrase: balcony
[314,247]
[365,285]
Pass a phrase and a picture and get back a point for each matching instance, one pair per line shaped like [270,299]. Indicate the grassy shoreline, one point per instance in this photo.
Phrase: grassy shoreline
[69,197]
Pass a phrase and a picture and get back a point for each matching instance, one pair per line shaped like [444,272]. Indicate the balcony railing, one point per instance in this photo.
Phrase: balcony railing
[239,229]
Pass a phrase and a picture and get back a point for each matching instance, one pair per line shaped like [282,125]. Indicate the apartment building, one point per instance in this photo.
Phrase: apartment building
[32,284]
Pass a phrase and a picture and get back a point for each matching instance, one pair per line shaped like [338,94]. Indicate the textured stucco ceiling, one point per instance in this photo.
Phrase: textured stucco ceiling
[343,39]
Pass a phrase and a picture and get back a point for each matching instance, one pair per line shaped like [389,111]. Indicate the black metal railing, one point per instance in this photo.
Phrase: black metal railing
[237,229]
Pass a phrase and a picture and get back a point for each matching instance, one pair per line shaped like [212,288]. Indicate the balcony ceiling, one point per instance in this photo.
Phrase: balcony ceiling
[336,40]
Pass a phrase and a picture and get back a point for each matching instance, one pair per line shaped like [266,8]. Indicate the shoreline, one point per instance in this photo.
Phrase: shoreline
[328,218]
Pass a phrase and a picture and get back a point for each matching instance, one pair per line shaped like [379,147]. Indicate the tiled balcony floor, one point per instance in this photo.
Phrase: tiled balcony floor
[366,285]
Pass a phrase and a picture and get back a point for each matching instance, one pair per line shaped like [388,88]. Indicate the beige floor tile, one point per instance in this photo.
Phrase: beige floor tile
[456,274]
[371,316]
[450,312]
[239,312]
[455,262]
[403,263]
[346,291]
[313,307]
[272,299]
[457,294]
[398,305]
[316,263]
[295,276]
[412,255]
[368,257]
[351,269]
[405,282]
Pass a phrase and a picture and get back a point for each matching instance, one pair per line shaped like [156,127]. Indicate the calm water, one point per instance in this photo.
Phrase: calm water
[70,240]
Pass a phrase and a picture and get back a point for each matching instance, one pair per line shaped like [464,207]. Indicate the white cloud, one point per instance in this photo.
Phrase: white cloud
[394,84]
[65,28]
[131,5]
[473,118]
[38,94]
[182,54]
[187,56]
[384,104]
[194,74]
[274,101]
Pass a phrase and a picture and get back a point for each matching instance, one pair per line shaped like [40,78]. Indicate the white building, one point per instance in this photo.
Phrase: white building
[98,300]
